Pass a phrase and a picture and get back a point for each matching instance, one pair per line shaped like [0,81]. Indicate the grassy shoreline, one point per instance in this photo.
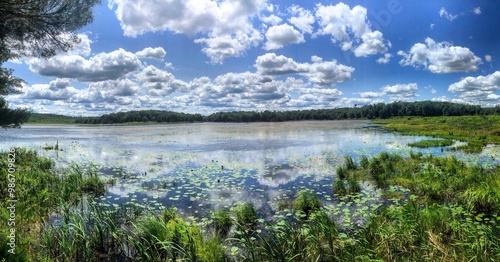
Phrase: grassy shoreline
[477,131]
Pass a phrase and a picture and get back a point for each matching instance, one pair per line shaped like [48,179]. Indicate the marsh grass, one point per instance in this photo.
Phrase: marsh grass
[245,216]
[339,187]
[222,222]
[432,143]
[430,233]
[349,163]
[477,131]
[306,202]
[446,211]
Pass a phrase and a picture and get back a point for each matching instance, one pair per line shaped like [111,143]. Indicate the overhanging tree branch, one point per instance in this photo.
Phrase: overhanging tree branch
[35,28]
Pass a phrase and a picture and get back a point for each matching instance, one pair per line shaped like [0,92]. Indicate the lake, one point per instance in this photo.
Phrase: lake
[201,166]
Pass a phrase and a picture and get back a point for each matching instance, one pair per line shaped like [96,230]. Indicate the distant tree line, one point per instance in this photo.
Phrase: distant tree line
[157,116]
[381,110]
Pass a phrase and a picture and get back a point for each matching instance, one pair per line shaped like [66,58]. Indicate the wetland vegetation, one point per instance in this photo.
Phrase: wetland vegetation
[477,131]
[435,208]
[352,204]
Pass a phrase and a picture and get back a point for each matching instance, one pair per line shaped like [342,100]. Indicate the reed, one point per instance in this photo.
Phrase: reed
[339,187]
[349,163]
[246,216]
[222,222]
[449,213]
[306,202]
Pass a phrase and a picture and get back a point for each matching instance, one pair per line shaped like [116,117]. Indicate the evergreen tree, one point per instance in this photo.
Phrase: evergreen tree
[35,28]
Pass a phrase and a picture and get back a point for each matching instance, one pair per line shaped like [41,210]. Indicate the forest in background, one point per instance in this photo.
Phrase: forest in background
[375,111]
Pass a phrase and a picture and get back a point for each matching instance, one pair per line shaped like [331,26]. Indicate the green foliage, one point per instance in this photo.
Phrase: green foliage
[440,179]
[341,172]
[353,185]
[156,116]
[378,111]
[430,233]
[432,143]
[339,187]
[12,117]
[246,216]
[40,28]
[349,163]
[37,118]
[35,29]
[477,131]
[364,162]
[169,214]
[306,202]
[222,222]
[153,237]
[454,218]
[82,180]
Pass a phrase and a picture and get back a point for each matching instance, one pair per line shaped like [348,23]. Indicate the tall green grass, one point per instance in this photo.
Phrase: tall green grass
[477,131]
[39,190]
[246,216]
[306,202]
[451,213]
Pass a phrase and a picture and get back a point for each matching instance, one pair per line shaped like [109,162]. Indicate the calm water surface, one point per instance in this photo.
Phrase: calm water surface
[198,167]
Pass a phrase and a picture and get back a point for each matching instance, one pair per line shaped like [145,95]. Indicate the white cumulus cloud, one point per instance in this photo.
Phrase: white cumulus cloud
[319,72]
[159,82]
[445,14]
[103,66]
[480,83]
[220,48]
[149,52]
[302,19]
[385,59]
[440,58]
[400,90]
[281,35]
[488,58]
[370,94]
[351,29]
[215,20]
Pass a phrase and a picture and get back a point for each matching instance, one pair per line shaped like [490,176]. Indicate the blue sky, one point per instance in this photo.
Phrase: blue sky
[204,56]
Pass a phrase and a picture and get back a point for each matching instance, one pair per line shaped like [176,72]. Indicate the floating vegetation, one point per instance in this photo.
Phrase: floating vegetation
[55,147]
[432,143]
[303,208]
